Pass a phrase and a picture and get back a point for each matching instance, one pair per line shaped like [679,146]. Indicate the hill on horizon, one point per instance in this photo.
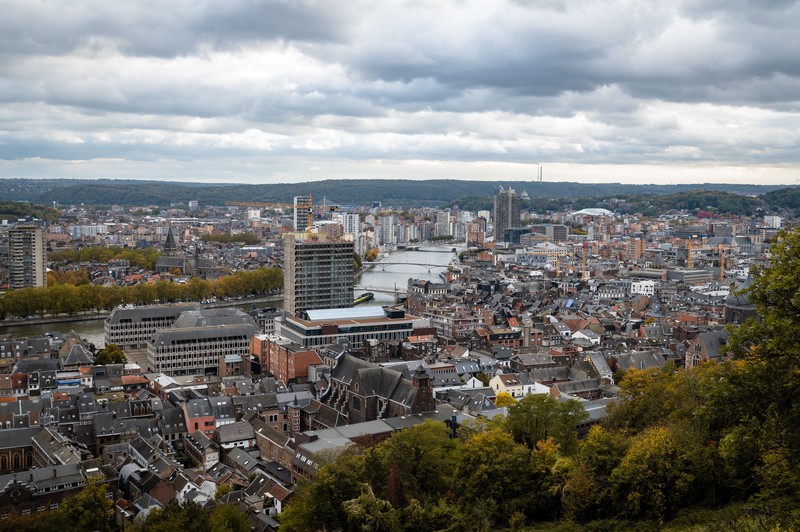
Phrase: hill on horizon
[335,191]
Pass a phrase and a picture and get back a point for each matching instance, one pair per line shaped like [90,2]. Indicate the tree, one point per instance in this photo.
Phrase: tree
[317,504]
[653,478]
[491,465]
[89,509]
[768,361]
[110,354]
[222,490]
[186,517]
[368,513]
[538,417]
[586,491]
[228,518]
[415,463]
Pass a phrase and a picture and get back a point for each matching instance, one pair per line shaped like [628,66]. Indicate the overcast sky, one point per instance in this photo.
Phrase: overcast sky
[285,91]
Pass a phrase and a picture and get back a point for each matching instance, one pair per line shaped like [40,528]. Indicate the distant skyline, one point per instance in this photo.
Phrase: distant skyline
[691,91]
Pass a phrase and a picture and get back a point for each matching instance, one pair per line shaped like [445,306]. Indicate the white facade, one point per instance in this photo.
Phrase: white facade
[645,288]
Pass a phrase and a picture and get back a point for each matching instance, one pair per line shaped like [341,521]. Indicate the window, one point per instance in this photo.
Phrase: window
[356,403]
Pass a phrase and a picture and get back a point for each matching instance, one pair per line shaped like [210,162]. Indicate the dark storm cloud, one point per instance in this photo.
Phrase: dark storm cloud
[349,83]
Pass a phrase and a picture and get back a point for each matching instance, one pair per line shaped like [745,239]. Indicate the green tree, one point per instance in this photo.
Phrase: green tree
[768,359]
[228,518]
[186,517]
[89,509]
[653,479]
[538,417]
[368,513]
[491,465]
[110,354]
[222,490]
[317,504]
[415,463]
[586,492]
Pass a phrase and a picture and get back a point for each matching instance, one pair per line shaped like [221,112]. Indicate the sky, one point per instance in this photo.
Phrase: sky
[249,91]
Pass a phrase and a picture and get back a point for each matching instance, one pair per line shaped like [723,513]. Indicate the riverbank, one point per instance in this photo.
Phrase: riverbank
[91,316]
[17,322]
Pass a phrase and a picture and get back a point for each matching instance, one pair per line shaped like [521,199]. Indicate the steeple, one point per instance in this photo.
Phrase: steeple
[170,247]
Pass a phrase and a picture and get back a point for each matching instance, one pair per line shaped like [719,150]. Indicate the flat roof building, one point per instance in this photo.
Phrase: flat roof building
[357,325]
[131,327]
[199,341]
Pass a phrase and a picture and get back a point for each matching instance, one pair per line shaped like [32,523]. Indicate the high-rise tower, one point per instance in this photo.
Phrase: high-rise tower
[302,208]
[318,273]
[27,257]
[506,213]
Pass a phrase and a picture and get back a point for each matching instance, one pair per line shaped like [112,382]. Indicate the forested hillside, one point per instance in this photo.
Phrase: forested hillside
[714,448]
[401,192]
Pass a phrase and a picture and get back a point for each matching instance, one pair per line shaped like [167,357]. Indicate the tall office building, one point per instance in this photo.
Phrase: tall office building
[317,273]
[302,208]
[506,213]
[442,223]
[27,257]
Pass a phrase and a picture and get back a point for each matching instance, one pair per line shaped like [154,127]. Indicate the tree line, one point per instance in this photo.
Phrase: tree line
[71,299]
[249,239]
[138,258]
[714,447]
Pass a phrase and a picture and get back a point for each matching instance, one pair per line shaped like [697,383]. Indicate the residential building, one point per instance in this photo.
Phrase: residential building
[27,257]
[506,212]
[285,360]
[302,213]
[442,223]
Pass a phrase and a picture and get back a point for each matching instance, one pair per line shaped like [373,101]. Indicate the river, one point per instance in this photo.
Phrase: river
[399,267]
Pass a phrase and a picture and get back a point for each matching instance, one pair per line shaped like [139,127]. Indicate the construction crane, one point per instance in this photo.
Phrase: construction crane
[721,263]
[689,258]
[276,205]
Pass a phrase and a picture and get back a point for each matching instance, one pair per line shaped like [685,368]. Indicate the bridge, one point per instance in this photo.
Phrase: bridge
[397,291]
[420,264]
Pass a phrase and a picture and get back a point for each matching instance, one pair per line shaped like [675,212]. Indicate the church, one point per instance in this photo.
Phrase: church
[194,266]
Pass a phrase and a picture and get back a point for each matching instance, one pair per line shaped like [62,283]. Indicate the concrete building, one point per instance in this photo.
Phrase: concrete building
[442,223]
[132,327]
[27,257]
[386,230]
[357,325]
[506,212]
[318,273]
[301,213]
[199,341]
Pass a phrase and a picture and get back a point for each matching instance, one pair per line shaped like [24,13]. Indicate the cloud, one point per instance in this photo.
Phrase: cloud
[244,88]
